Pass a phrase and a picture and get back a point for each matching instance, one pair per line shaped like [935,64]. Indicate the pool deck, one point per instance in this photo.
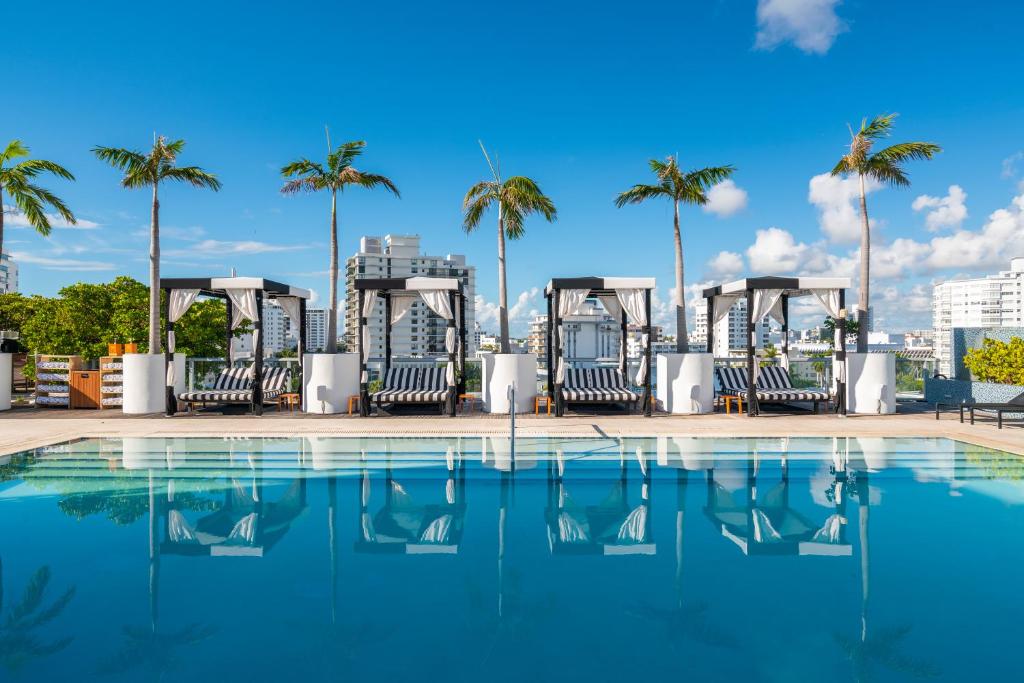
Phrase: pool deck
[21,429]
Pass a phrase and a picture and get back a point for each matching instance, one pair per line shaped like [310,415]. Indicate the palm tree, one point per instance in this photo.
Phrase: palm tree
[516,198]
[149,170]
[29,198]
[312,176]
[884,166]
[20,641]
[689,187]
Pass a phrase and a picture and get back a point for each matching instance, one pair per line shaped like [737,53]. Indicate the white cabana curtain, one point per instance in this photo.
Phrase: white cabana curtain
[569,303]
[290,306]
[369,301]
[611,304]
[766,301]
[400,305]
[829,299]
[243,306]
[181,300]
[437,301]
[723,303]
[633,302]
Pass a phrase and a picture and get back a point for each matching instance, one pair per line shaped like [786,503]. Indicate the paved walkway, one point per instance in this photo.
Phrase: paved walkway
[21,429]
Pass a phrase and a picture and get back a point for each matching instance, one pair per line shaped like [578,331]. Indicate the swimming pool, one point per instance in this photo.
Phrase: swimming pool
[433,559]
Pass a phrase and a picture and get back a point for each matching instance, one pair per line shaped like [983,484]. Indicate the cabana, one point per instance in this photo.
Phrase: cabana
[627,299]
[771,296]
[243,297]
[446,298]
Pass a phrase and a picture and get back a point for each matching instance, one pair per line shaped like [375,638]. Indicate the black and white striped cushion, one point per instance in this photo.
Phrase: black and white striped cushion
[576,378]
[765,395]
[732,381]
[233,379]
[275,380]
[399,379]
[431,379]
[217,396]
[410,396]
[598,385]
[773,377]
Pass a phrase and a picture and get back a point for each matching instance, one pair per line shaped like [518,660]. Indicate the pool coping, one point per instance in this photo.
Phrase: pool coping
[38,432]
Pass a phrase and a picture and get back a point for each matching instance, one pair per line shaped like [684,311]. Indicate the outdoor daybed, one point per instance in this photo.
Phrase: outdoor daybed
[413,385]
[235,385]
[598,385]
[773,386]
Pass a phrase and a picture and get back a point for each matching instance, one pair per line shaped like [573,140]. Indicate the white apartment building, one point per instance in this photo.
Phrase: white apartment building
[8,275]
[420,333]
[990,301]
[730,332]
[590,335]
[316,329]
[275,333]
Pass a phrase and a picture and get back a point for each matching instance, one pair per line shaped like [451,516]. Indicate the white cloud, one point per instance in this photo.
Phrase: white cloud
[191,233]
[520,312]
[775,252]
[65,264]
[1010,164]
[837,200]
[221,248]
[944,212]
[992,246]
[725,264]
[811,25]
[725,199]
[896,260]
[15,219]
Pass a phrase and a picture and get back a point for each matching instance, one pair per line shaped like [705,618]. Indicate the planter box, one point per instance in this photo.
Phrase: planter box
[956,391]
[145,388]
[871,383]
[685,383]
[501,370]
[328,381]
[6,377]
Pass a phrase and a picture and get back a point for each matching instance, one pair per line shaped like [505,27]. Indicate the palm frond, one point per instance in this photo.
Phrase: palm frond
[843,166]
[47,197]
[906,151]
[34,167]
[484,187]
[474,210]
[173,148]
[302,166]
[343,157]
[514,218]
[125,160]
[30,206]
[879,127]
[888,173]
[193,175]
[705,178]
[15,149]
[372,180]
[641,193]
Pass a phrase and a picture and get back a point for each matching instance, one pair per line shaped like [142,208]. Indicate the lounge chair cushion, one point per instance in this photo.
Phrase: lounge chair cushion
[231,379]
[412,385]
[597,385]
[773,385]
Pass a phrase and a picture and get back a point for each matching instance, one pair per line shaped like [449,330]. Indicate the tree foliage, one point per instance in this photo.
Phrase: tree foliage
[997,361]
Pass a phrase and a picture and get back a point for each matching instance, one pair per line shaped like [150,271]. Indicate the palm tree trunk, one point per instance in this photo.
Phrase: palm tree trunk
[332,314]
[682,343]
[154,275]
[865,273]
[1,222]
[506,347]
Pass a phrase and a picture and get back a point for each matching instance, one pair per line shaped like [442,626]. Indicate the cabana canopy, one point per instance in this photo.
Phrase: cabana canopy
[770,296]
[443,295]
[243,297]
[625,298]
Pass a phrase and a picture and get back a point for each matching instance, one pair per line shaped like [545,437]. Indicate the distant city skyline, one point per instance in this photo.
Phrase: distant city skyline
[766,86]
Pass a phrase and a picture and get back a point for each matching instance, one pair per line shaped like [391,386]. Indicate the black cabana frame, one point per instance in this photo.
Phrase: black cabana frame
[792,287]
[597,286]
[214,287]
[386,287]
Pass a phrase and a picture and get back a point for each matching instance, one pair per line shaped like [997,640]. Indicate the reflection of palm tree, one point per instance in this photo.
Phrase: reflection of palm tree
[18,641]
[881,647]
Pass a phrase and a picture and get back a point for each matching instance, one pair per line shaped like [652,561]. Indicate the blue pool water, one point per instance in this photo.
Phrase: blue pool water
[668,559]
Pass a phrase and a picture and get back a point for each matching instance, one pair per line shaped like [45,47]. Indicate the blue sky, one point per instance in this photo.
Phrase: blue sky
[575,95]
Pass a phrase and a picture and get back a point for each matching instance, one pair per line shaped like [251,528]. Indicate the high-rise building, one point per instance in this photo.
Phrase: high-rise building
[316,329]
[8,275]
[420,333]
[275,333]
[730,331]
[590,335]
[991,301]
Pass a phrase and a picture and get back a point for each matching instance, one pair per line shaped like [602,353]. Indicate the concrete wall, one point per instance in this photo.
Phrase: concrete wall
[967,338]
[958,391]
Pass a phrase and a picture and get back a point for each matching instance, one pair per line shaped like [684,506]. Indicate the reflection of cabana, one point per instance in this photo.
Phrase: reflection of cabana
[443,296]
[765,523]
[770,296]
[612,527]
[627,299]
[244,297]
[405,526]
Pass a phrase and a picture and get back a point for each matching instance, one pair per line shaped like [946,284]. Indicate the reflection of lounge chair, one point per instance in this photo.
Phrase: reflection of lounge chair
[405,526]
[767,525]
[611,527]
[245,525]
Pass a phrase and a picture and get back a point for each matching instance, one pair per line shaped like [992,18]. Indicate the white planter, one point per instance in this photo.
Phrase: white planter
[328,381]
[501,370]
[143,452]
[871,383]
[686,453]
[6,377]
[685,383]
[145,383]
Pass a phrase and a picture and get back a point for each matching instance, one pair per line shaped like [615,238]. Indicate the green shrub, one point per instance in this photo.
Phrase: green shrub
[997,361]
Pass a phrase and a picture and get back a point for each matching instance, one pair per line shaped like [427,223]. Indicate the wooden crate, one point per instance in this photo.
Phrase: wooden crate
[111,381]
[85,388]
[53,379]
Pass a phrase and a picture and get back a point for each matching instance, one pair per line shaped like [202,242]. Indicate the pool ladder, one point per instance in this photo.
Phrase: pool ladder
[511,393]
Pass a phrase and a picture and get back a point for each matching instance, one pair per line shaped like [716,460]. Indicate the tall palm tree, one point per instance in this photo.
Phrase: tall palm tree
[516,198]
[335,176]
[149,169]
[886,167]
[29,198]
[682,187]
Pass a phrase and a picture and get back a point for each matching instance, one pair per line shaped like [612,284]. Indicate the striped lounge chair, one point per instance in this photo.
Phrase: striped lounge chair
[773,386]
[234,385]
[413,385]
[597,385]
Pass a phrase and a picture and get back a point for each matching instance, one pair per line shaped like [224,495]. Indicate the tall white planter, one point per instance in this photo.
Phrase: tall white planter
[144,383]
[686,383]
[328,380]
[499,371]
[6,377]
[871,383]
